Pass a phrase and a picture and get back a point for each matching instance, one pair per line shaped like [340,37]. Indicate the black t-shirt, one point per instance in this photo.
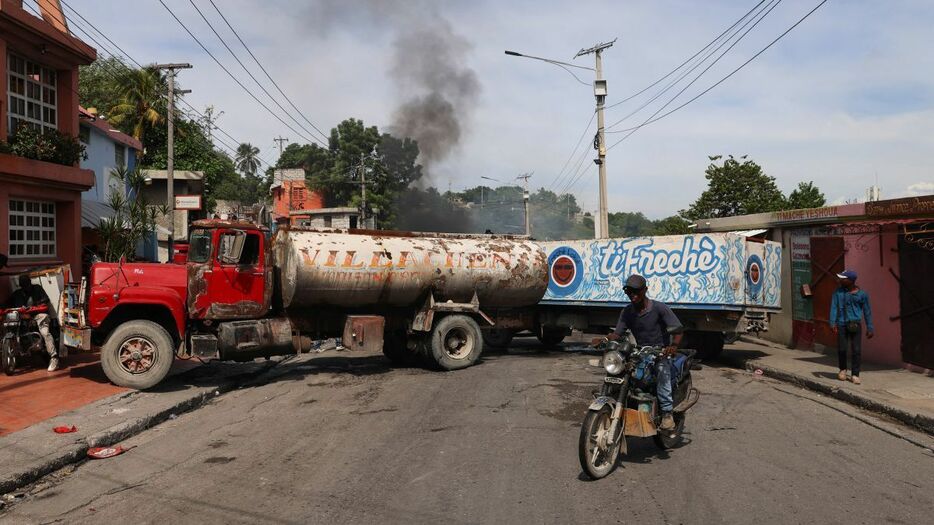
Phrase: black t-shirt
[34,297]
[648,327]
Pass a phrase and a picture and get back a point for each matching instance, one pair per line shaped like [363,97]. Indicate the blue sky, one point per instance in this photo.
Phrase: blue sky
[842,100]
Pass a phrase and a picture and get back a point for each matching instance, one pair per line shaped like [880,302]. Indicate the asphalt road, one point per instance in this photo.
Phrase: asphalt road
[352,440]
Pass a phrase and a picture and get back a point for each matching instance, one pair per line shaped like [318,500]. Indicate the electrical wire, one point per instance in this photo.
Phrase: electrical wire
[673,71]
[233,77]
[559,176]
[722,80]
[250,73]
[260,64]
[766,10]
[115,73]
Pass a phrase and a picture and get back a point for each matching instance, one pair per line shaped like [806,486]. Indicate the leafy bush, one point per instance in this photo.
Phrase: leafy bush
[133,219]
[47,145]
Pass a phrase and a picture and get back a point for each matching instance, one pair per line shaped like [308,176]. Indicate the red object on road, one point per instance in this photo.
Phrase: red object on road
[105,452]
[65,430]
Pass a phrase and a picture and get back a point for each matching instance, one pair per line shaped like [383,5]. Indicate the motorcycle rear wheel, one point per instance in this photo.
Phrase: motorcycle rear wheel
[7,357]
[595,461]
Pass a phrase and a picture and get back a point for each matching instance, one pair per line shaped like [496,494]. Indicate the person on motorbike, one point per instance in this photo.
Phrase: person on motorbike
[650,323]
[30,295]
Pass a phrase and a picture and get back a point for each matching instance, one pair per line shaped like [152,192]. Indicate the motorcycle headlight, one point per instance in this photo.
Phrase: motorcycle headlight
[11,317]
[613,362]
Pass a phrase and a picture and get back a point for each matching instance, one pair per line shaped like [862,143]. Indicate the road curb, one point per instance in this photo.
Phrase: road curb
[77,452]
[918,421]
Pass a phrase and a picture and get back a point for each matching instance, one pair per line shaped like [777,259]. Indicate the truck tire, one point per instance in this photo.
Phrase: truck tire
[551,336]
[138,354]
[456,342]
[711,345]
[497,337]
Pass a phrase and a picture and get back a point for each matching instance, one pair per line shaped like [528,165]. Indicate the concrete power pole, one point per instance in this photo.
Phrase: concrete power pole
[601,225]
[363,190]
[525,199]
[281,140]
[170,157]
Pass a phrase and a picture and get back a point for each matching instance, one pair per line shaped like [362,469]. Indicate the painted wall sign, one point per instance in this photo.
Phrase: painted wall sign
[901,207]
[714,269]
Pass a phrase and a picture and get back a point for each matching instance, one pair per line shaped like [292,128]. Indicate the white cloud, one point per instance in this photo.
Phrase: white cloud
[919,188]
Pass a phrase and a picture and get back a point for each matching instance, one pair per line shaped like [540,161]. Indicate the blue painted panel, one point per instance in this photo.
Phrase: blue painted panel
[703,270]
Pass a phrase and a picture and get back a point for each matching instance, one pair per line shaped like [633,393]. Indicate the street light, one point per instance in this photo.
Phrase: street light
[601,225]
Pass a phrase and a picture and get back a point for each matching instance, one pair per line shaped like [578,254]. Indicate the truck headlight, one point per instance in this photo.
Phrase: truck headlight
[613,363]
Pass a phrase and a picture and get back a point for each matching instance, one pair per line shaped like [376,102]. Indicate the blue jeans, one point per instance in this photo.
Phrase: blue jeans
[663,384]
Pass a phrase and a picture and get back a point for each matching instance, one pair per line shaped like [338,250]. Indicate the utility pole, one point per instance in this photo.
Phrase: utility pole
[525,199]
[362,190]
[281,140]
[170,160]
[601,225]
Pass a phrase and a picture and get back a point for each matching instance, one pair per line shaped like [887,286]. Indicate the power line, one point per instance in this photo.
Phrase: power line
[114,73]
[559,176]
[712,42]
[578,172]
[722,80]
[231,75]
[248,72]
[767,9]
[260,64]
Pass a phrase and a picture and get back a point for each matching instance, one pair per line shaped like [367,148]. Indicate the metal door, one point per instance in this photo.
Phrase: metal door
[916,291]
[826,262]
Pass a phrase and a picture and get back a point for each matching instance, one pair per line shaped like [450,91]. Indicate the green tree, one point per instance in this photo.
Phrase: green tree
[674,225]
[735,188]
[806,195]
[247,159]
[132,221]
[141,105]
[98,88]
[629,224]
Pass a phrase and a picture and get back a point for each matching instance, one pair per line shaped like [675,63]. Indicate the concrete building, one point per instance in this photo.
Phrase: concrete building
[187,186]
[889,243]
[40,202]
[339,218]
[290,193]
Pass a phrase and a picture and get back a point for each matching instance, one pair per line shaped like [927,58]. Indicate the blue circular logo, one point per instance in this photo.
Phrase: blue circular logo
[754,275]
[565,271]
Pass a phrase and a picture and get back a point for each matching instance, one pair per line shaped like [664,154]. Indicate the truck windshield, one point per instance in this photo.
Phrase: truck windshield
[199,249]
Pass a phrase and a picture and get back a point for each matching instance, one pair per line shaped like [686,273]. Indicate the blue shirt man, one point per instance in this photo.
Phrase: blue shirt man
[849,306]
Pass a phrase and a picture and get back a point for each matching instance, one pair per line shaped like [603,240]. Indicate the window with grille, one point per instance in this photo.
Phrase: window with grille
[32,228]
[119,155]
[32,93]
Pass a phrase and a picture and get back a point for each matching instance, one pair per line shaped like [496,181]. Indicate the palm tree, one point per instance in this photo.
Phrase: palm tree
[142,101]
[247,159]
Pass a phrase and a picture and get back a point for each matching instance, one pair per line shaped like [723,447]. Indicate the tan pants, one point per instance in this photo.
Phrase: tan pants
[42,321]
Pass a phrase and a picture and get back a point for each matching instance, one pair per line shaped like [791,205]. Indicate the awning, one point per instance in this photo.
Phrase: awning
[92,212]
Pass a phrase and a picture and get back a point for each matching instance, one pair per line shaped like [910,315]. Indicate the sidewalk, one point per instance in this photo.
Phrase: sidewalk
[104,414]
[901,394]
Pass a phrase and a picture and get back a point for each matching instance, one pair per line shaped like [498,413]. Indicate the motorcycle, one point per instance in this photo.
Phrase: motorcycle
[20,336]
[628,405]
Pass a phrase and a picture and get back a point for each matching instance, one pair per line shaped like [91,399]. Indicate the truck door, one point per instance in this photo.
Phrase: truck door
[232,285]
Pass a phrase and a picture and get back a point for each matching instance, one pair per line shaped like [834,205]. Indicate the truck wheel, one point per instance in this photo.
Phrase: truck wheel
[138,354]
[497,337]
[456,342]
[551,336]
[711,345]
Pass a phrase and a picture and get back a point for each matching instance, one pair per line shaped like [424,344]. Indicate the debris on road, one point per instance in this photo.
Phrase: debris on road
[106,452]
[65,429]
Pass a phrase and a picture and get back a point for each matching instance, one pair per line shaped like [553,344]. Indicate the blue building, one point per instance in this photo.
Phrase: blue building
[107,148]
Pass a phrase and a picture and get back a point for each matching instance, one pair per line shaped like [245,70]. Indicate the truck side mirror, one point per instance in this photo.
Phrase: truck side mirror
[231,247]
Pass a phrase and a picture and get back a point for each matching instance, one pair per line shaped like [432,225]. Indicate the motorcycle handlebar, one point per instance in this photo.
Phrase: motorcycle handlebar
[42,308]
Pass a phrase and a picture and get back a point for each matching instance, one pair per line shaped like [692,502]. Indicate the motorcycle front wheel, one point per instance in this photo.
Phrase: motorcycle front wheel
[7,356]
[597,450]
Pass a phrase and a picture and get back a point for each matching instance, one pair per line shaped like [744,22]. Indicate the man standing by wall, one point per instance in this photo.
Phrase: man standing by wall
[848,308]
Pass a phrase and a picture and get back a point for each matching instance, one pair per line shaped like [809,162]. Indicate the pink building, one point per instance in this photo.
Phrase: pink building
[890,244]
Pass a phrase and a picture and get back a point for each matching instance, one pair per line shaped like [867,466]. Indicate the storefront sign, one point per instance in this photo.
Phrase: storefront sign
[802,308]
[806,214]
[901,207]
[188,202]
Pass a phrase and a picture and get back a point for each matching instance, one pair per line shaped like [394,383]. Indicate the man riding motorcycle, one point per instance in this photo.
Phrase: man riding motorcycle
[649,322]
[27,295]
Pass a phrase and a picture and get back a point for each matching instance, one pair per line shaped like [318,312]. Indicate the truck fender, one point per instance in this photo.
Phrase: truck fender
[167,298]
[601,402]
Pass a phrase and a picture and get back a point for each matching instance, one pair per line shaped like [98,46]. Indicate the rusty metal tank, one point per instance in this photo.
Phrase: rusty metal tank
[376,268]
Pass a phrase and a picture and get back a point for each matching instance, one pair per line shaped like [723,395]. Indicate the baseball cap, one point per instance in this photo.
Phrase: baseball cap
[635,281]
[848,274]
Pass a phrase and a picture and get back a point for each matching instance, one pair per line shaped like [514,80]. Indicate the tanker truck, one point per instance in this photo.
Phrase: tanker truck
[244,294]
